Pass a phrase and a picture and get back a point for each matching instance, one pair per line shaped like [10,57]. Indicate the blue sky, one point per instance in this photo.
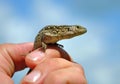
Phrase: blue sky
[97,50]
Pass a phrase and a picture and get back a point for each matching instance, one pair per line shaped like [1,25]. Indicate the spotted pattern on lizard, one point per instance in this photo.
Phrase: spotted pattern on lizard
[51,34]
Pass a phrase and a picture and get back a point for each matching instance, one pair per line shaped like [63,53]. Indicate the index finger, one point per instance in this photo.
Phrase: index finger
[37,56]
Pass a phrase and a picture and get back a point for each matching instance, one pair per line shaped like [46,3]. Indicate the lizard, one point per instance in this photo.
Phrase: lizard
[51,34]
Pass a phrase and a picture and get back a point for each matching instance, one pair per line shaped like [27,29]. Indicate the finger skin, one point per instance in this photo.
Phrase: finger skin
[11,60]
[70,75]
[51,52]
[14,54]
[60,71]
[52,65]
[55,69]
[5,79]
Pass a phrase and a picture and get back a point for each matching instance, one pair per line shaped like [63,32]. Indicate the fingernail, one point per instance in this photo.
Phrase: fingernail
[32,77]
[36,55]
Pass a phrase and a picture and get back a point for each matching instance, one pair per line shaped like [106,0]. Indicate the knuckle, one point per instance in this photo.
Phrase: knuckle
[53,78]
[78,68]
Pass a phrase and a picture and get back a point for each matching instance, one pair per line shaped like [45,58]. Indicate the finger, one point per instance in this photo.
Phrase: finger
[11,56]
[38,56]
[61,51]
[5,79]
[70,75]
[43,70]
[11,60]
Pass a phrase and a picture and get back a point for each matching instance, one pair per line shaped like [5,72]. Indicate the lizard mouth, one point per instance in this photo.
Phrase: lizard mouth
[83,30]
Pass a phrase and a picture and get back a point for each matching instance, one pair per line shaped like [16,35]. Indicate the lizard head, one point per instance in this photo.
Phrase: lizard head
[77,29]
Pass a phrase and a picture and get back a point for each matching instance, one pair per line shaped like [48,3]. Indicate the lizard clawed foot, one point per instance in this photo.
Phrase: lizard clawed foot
[59,45]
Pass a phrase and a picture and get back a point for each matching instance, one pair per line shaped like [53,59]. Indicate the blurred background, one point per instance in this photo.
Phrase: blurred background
[98,51]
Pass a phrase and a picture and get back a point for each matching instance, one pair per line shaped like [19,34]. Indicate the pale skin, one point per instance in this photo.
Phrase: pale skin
[53,66]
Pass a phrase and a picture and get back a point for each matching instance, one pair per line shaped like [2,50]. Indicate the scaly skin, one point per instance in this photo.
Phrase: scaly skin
[52,33]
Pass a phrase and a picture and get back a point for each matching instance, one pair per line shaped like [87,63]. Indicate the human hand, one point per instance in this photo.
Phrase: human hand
[12,60]
[48,67]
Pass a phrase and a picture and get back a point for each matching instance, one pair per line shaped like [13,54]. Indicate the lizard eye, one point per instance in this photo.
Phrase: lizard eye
[77,26]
